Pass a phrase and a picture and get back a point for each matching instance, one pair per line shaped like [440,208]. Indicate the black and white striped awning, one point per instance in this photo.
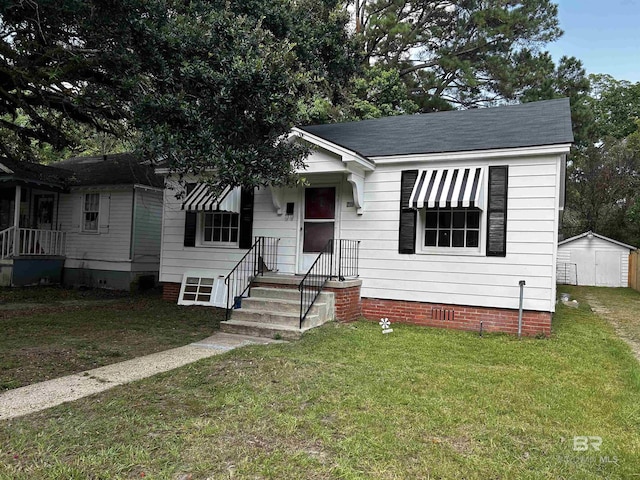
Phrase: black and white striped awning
[448,188]
[202,199]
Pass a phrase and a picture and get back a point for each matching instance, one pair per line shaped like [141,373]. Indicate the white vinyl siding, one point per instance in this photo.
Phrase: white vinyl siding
[111,244]
[462,279]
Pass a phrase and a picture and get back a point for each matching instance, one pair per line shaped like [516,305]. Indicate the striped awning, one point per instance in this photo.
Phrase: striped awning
[202,199]
[448,188]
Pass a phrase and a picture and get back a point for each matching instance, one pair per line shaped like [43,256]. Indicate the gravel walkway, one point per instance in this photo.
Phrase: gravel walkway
[40,396]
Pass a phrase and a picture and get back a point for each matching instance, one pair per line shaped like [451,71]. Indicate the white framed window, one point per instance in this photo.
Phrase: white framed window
[219,228]
[90,212]
[451,230]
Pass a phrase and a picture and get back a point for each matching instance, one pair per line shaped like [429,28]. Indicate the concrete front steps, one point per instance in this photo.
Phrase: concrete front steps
[275,313]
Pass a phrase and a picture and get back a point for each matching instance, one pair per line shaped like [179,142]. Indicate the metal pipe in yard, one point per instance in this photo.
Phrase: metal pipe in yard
[522,284]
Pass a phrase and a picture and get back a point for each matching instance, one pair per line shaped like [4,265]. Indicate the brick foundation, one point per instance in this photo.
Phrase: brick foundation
[170,291]
[457,316]
[349,307]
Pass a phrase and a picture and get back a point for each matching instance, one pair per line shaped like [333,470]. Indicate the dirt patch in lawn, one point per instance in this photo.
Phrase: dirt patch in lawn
[48,342]
[621,310]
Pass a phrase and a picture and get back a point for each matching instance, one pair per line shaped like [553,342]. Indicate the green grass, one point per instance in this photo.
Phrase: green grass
[49,341]
[348,402]
[622,303]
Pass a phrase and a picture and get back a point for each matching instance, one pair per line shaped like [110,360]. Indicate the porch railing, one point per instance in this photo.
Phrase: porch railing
[262,257]
[338,259]
[7,237]
[31,241]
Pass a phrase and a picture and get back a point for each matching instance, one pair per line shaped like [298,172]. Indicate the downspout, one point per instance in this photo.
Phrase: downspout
[133,226]
[522,283]
[16,219]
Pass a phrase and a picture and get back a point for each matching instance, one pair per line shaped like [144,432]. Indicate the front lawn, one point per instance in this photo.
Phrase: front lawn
[65,331]
[348,402]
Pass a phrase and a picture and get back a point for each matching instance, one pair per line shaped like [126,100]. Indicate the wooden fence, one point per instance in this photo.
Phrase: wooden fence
[634,270]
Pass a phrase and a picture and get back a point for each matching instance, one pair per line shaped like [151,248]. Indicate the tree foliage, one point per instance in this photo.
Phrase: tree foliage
[206,84]
[603,194]
[462,53]
[616,105]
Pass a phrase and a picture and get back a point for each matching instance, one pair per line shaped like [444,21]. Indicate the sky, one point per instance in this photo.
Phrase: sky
[604,34]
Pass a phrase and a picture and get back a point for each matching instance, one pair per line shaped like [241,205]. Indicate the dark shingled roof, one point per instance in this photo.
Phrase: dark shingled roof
[526,125]
[34,173]
[117,169]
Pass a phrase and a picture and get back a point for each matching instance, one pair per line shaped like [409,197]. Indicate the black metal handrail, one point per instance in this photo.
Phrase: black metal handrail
[315,279]
[342,261]
[347,259]
[262,257]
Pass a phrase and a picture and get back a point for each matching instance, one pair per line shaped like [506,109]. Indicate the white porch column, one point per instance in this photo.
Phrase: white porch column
[16,220]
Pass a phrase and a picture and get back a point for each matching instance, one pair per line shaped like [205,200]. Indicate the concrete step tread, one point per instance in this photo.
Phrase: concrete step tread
[278,300]
[266,326]
[260,311]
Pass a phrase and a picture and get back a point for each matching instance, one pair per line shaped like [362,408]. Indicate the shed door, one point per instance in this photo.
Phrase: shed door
[585,266]
[607,269]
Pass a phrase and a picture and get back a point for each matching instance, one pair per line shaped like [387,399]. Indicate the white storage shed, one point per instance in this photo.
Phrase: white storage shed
[594,260]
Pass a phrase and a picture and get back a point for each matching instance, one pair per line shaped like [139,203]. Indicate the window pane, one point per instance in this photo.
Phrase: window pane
[217,219]
[225,234]
[432,220]
[444,219]
[208,220]
[192,280]
[216,234]
[206,281]
[207,234]
[444,238]
[473,219]
[472,238]
[234,235]
[234,220]
[319,203]
[91,221]
[226,220]
[458,219]
[458,238]
[430,238]
[316,236]
[91,202]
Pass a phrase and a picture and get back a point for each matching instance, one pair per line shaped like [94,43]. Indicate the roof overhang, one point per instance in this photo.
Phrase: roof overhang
[346,155]
[534,151]
[601,237]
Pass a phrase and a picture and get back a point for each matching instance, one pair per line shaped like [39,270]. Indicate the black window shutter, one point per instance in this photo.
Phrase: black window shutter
[407,238]
[246,218]
[190,224]
[497,211]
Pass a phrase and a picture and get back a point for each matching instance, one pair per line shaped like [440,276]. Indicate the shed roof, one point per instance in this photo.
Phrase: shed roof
[116,169]
[526,125]
[601,237]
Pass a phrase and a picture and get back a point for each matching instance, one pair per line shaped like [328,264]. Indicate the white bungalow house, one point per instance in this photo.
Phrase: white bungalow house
[436,219]
[91,221]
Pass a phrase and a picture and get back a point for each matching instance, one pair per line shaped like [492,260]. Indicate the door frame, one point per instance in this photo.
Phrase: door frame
[337,184]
